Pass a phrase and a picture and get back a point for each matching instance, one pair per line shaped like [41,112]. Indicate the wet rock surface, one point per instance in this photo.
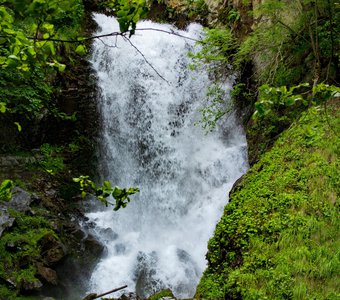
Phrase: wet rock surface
[6,221]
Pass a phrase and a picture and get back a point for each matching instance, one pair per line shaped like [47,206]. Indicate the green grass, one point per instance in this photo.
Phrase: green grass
[279,236]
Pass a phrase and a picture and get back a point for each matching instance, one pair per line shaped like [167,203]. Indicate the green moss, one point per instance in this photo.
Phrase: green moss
[20,249]
[279,236]
[161,294]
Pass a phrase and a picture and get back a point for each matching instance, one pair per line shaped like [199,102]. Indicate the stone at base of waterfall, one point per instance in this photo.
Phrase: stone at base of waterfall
[165,294]
[129,296]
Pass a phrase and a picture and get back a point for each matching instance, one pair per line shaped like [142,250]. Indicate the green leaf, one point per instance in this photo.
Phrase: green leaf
[81,50]
[117,192]
[18,126]
[2,107]
[107,185]
[12,56]
[61,67]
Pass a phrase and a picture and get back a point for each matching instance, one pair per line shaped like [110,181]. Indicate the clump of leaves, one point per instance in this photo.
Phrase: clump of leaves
[279,105]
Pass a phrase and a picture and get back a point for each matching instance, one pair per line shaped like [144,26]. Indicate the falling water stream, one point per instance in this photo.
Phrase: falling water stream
[149,140]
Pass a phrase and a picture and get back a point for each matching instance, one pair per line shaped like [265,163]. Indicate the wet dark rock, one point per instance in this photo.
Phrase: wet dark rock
[93,246]
[52,250]
[74,230]
[12,246]
[145,272]
[27,286]
[24,261]
[108,234]
[6,221]
[47,274]
[237,185]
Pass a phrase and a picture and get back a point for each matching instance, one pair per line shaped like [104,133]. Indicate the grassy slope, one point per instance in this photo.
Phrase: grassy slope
[279,237]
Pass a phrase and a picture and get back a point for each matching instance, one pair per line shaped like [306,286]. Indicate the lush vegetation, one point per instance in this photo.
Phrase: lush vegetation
[30,50]
[291,42]
[279,236]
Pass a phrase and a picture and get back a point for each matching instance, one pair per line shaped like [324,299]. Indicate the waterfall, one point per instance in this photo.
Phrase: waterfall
[149,140]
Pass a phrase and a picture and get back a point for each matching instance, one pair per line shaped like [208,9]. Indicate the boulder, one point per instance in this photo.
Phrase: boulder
[21,200]
[52,250]
[93,246]
[47,274]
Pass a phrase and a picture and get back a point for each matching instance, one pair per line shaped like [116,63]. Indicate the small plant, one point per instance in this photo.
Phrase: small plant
[52,163]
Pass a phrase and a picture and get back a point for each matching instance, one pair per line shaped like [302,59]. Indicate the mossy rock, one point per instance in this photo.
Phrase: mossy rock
[162,294]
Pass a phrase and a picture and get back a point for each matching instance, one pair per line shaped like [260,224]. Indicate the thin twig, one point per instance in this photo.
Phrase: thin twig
[107,45]
[115,33]
[145,59]
[172,32]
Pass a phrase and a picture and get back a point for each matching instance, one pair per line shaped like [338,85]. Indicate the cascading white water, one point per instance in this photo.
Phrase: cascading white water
[149,140]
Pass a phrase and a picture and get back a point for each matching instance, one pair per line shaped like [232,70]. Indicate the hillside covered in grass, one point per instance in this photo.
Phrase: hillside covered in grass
[279,236]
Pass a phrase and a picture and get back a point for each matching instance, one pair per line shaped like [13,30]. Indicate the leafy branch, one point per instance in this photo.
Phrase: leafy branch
[102,193]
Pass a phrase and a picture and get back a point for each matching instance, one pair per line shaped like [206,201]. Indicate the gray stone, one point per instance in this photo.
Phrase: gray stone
[129,296]
[108,234]
[21,200]
[6,221]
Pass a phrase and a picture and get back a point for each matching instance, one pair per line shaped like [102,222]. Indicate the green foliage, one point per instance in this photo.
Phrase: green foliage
[19,249]
[279,235]
[216,50]
[52,161]
[102,193]
[29,52]
[196,8]
[24,93]
[217,106]
[128,13]
[6,190]
[279,107]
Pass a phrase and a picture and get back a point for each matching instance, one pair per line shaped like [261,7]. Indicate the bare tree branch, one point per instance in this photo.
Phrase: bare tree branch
[116,33]
[145,59]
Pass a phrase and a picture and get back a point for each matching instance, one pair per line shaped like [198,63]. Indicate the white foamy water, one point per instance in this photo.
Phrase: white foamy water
[149,140]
